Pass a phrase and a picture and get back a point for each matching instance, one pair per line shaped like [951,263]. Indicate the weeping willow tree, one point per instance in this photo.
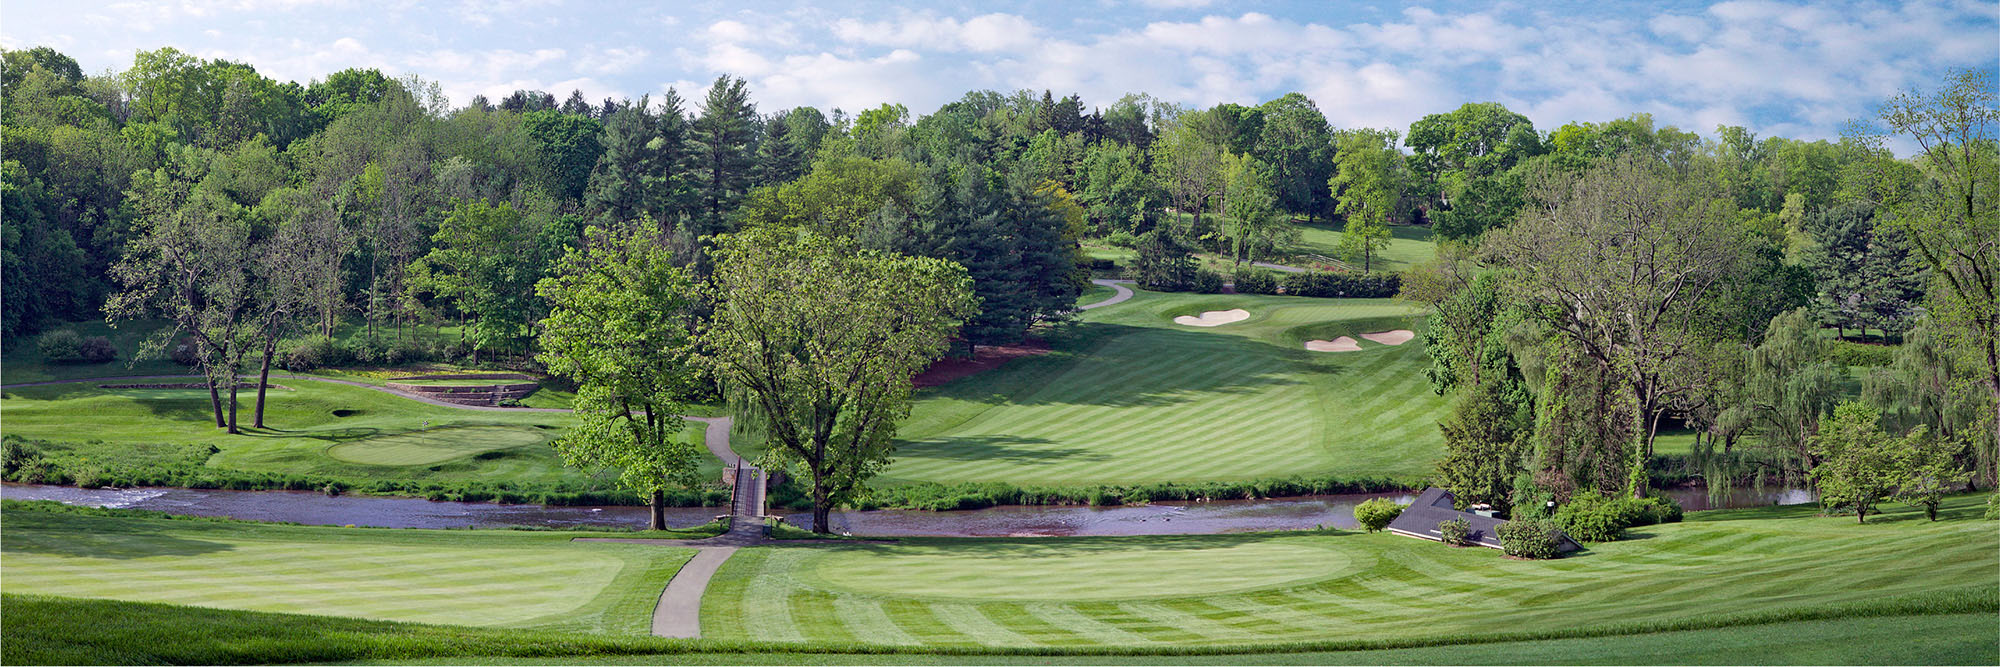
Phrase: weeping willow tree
[1928,384]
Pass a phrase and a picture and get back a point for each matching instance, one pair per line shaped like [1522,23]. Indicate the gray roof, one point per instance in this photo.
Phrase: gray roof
[1421,519]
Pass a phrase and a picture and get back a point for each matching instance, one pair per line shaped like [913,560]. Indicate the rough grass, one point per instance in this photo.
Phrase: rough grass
[1408,245]
[1271,588]
[1130,397]
[472,578]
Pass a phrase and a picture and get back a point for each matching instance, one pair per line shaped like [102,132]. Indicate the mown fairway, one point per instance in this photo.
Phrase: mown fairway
[486,578]
[1130,397]
[315,428]
[1223,590]
[1407,245]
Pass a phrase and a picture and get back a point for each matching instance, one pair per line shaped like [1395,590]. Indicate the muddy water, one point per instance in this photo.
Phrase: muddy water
[1233,516]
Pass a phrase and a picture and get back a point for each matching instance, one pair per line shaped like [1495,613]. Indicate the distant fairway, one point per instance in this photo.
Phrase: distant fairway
[1131,397]
[1271,588]
[483,578]
[435,445]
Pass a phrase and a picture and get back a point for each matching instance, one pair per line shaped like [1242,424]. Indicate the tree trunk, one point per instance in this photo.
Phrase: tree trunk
[656,507]
[215,401]
[264,371]
[821,512]
[232,399]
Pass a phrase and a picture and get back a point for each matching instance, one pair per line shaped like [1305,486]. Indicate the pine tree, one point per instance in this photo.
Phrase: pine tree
[779,159]
[723,158]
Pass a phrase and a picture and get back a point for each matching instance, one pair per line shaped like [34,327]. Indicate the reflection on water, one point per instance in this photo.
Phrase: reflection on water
[1178,518]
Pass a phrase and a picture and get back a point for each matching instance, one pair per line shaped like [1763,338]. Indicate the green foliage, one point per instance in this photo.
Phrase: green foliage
[1860,465]
[1849,354]
[1594,517]
[1529,538]
[1341,285]
[1375,514]
[817,341]
[1931,471]
[1163,264]
[1255,281]
[66,346]
[622,329]
[1487,437]
[722,153]
[487,259]
[969,496]
[1455,532]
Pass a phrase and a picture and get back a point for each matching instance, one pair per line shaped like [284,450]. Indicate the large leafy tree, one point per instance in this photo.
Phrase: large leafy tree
[1253,223]
[1297,143]
[1366,185]
[817,339]
[568,148]
[621,326]
[1474,141]
[1952,215]
[1863,466]
[487,260]
[1626,261]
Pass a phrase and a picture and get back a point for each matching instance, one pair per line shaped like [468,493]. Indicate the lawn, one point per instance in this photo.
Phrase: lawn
[1228,590]
[1128,396]
[1408,245]
[475,578]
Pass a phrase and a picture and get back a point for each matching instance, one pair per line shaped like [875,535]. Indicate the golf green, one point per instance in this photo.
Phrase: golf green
[435,445]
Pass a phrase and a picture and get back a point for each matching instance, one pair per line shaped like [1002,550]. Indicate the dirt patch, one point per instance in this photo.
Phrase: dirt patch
[1341,344]
[1213,318]
[985,358]
[1397,337]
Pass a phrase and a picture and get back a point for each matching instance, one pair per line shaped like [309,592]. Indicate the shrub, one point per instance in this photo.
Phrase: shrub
[1657,510]
[1528,538]
[186,353]
[1993,507]
[1122,240]
[1321,284]
[312,354]
[61,346]
[1376,513]
[1100,265]
[98,350]
[1590,517]
[1455,532]
[1255,281]
[1206,282]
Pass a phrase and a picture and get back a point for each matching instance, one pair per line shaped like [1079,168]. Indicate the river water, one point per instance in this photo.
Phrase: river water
[1229,516]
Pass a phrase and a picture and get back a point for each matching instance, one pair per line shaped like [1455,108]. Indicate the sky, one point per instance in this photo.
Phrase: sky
[1793,69]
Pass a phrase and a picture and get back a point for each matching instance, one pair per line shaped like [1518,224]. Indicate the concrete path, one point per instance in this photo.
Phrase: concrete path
[1118,285]
[1280,267]
[679,611]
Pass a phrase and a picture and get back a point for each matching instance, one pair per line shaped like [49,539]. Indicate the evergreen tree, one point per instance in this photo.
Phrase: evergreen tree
[779,159]
[723,157]
[624,184]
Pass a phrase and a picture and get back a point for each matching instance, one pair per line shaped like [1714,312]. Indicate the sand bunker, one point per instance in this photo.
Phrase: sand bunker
[1214,318]
[1397,337]
[1341,344]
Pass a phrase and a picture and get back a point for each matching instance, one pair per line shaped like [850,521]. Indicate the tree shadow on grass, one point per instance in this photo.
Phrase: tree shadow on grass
[999,548]
[1012,449]
[119,546]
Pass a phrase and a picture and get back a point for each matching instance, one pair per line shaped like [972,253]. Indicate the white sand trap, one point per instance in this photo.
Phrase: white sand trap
[1341,344]
[1214,318]
[1397,337]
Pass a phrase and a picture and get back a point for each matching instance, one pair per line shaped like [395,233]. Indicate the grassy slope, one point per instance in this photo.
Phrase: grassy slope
[1130,397]
[1255,589]
[1407,245]
[478,578]
[377,427]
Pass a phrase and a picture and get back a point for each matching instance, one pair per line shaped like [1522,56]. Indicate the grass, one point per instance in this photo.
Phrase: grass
[1130,397]
[425,576]
[1408,245]
[1230,590]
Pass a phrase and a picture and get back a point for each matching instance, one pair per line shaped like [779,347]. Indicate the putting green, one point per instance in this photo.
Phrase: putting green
[1073,570]
[435,445]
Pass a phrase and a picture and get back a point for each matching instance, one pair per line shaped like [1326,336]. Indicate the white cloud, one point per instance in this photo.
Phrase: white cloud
[984,33]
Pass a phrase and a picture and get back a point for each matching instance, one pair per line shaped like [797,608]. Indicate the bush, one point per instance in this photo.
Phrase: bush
[186,353]
[313,354]
[1528,538]
[1993,507]
[66,346]
[1455,532]
[1100,265]
[1590,517]
[1376,513]
[1343,285]
[1255,281]
[1656,510]
[1122,240]
[1206,282]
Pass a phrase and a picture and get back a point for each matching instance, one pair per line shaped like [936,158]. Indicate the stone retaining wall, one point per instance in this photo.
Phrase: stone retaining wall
[491,394]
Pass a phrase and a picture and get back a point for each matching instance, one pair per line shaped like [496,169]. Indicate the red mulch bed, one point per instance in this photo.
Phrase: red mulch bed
[985,358]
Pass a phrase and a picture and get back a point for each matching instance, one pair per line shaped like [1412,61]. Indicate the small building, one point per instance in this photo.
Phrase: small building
[1421,519]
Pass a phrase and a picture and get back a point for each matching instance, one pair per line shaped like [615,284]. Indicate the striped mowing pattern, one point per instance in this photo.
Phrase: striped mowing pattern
[1134,398]
[450,577]
[1190,590]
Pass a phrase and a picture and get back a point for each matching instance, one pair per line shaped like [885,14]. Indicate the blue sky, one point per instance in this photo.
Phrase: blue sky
[1780,68]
